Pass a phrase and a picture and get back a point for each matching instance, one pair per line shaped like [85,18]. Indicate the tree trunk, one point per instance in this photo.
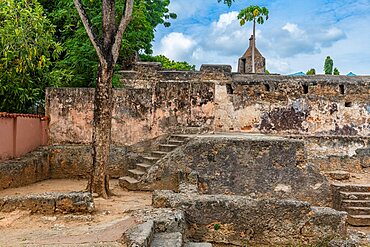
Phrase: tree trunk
[108,53]
[103,104]
[254,46]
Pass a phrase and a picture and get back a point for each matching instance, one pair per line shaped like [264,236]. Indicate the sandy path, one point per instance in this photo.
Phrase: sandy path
[103,228]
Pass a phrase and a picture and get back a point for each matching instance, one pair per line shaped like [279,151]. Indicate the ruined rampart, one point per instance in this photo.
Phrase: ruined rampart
[155,102]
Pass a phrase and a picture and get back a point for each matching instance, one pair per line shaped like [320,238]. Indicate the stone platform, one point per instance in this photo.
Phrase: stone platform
[256,165]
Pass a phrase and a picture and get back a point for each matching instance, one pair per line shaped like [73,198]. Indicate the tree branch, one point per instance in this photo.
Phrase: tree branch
[126,18]
[87,24]
[109,23]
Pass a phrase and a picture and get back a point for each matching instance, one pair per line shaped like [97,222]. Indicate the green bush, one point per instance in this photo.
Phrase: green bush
[27,51]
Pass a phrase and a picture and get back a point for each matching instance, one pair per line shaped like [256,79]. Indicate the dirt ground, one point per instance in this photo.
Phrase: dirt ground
[103,228]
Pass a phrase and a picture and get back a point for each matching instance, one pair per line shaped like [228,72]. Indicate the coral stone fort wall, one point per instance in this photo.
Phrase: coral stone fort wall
[154,102]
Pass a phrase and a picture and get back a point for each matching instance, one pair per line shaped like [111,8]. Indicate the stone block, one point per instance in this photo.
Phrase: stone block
[167,240]
[242,164]
[339,175]
[49,203]
[139,236]
[241,220]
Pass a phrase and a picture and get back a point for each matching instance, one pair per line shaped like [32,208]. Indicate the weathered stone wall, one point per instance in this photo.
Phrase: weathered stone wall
[343,153]
[139,113]
[74,161]
[69,161]
[243,221]
[29,169]
[309,105]
[155,102]
[254,165]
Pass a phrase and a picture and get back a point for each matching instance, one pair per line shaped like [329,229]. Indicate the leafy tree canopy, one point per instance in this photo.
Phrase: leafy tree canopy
[80,55]
[328,66]
[167,63]
[27,51]
[228,2]
[311,72]
[336,71]
[253,12]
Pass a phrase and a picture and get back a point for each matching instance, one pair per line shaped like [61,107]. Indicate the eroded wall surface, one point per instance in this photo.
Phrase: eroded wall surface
[155,102]
[150,105]
[344,153]
[228,220]
[308,105]
[255,165]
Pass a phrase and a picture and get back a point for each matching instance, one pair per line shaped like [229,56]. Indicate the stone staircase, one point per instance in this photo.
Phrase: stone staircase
[131,181]
[165,228]
[355,200]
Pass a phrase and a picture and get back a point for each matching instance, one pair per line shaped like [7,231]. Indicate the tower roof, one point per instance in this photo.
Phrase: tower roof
[248,52]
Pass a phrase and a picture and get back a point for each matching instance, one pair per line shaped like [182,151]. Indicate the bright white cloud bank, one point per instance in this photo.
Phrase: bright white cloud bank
[176,46]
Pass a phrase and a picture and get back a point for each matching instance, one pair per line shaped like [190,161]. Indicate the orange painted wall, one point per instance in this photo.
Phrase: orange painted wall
[20,134]
[6,138]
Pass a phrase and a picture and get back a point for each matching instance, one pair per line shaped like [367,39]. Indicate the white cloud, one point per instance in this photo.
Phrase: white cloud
[225,20]
[226,35]
[291,40]
[183,9]
[294,30]
[176,46]
[329,36]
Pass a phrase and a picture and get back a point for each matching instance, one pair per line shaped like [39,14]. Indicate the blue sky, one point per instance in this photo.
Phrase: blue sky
[298,35]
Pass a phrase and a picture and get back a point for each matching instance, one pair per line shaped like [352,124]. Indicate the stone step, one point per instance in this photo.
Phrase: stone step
[140,235]
[352,187]
[179,137]
[128,183]
[191,244]
[137,174]
[175,142]
[167,240]
[359,220]
[355,195]
[142,167]
[167,147]
[358,210]
[355,203]
[339,175]
[159,154]
[150,159]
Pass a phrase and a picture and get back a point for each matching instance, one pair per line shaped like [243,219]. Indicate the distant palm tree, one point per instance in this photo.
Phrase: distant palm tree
[256,14]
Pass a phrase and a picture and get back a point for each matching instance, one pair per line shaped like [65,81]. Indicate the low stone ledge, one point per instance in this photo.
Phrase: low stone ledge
[49,203]
[241,220]
[141,235]
[28,169]
[165,220]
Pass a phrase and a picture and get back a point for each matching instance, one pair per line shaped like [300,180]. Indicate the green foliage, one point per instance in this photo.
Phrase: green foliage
[167,63]
[328,66]
[267,72]
[336,71]
[311,72]
[253,13]
[228,2]
[80,56]
[216,227]
[27,52]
